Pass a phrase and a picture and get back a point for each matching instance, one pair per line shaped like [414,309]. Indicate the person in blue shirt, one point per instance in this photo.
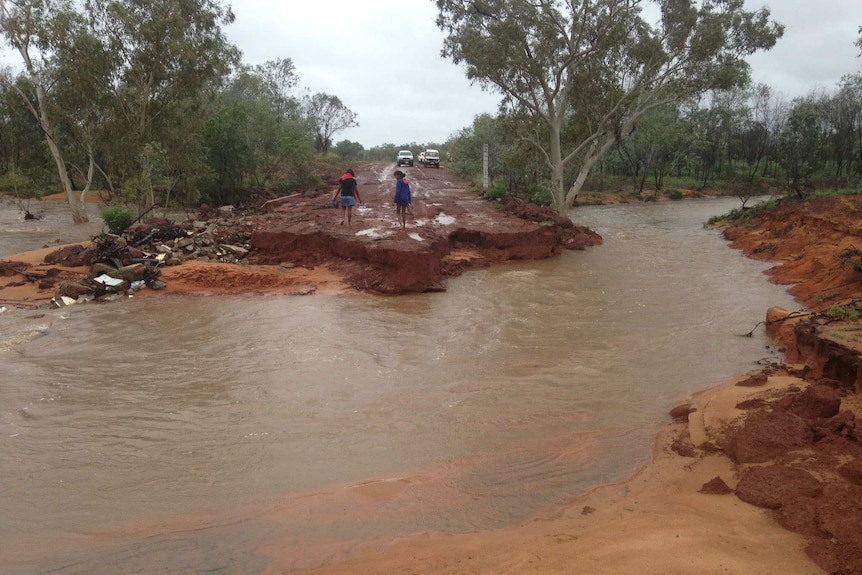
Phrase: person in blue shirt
[402,197]
[349,195]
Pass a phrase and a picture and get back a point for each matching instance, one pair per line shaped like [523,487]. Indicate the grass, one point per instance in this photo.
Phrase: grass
[843,312]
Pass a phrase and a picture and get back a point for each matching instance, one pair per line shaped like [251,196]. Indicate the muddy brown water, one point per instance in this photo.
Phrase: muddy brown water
[267,434]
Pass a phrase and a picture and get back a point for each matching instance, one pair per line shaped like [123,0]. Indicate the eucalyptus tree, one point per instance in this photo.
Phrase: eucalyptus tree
[255,131]
[658,145]
[843,114]
[466,147]
[594,67]
[758,140]
[26,164]
[800,145]
[327,115]
[165,60]
[35,28]
[279,77]
[348,150]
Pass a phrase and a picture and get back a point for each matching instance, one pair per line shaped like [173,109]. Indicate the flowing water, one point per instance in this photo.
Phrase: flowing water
[265,434]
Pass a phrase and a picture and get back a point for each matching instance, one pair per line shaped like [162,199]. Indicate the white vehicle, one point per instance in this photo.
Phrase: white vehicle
[405,158]
[430,158]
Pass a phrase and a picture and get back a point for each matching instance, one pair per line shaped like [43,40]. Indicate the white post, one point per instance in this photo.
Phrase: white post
[485,166]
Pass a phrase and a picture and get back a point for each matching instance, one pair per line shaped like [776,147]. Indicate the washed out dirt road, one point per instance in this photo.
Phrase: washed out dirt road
[297,244]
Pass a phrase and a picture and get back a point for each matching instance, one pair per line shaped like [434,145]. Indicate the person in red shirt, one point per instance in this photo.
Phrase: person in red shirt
[349,191]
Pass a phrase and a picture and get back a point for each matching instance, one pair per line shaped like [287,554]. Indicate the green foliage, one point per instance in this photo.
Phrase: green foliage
[541,194]
[800,146]
[348,150]
[852,258]
[19,186]
[827,296]
[327,116]
[674,194]
[309,182]
[742,216]
[497,192]
[829,192]
[117,219]
[843,312]
[548,59]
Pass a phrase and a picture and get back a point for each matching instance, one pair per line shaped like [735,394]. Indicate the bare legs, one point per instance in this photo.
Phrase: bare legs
[346,213]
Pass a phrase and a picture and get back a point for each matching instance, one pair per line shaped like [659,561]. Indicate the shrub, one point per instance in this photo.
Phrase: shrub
[498,192]
[117,219]
[541,194]
[19,186]
[843,312]
[297,183]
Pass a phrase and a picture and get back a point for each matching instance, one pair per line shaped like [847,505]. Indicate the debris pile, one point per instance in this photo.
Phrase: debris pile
[120,265]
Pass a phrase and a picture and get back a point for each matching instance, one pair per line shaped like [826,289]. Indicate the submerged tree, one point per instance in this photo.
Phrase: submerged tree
[585,71]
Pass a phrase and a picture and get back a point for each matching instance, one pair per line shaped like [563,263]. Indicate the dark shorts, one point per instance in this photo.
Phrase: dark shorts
[348,201]
[402,204]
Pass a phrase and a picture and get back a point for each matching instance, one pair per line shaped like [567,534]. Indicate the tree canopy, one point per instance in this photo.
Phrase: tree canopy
[149,99]
[580,74]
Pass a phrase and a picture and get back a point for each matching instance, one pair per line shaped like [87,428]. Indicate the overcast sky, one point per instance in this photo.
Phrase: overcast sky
[382,59]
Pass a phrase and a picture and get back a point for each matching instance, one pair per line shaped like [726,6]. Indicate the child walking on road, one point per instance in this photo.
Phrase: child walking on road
[402,197]
[349,195]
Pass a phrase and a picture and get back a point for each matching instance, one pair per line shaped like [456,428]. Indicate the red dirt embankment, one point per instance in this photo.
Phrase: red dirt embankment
[798,452]
[449,231]
[298,245]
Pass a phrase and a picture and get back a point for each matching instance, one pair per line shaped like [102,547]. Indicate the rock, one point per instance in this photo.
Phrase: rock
[852,471]
[75,289]
[841,425]
[766,435]
[236,251]
[130,273]
[814,402]
[774,485]
[755,403]
[800,515]
[818,401]
[683,448]
[681,412]
[715,486]
[100,268]
[68,256]
[756,380]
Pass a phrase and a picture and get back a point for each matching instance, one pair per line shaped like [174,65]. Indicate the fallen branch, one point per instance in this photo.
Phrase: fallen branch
[30,276]
[791,315]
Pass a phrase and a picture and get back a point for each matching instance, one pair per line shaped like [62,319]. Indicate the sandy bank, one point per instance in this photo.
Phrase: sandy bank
[658,523]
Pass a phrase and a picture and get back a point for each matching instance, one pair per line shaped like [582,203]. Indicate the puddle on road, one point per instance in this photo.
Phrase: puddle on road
[445,220]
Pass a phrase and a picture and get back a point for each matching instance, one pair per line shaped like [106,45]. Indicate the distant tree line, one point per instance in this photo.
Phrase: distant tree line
[600,93]
[148,100]
[748,140]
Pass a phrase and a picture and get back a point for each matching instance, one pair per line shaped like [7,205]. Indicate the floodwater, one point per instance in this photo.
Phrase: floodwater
[268,434]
